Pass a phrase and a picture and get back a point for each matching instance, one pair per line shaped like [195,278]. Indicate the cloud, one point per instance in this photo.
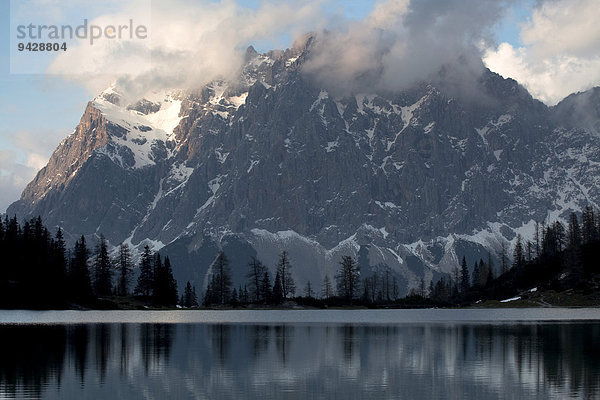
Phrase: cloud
[402,42]
[192,43]
[560,53]
[27,153]
[13,178]
[189,43]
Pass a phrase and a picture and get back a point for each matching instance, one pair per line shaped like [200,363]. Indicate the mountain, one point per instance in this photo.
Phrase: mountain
[411,180]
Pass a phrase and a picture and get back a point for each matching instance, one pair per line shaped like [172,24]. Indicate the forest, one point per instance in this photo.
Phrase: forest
[39,272]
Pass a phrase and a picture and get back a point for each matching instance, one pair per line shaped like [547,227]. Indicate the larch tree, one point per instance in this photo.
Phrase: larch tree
[255,277]
[284,268]
[348,278]
[326,288]
[308,290]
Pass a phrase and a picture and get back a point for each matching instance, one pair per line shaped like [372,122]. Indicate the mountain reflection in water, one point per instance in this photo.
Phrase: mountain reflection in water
[131,361]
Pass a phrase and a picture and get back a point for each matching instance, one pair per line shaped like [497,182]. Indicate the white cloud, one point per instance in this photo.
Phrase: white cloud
[386,14]
[13,178]
[192,43]
[28,152]
[403,42]
[189,44]
[560,53]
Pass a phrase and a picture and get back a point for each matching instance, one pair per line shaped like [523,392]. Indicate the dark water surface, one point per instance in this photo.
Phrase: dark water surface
[369,354]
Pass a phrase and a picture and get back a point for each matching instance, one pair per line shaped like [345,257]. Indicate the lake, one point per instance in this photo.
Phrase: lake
[301,354]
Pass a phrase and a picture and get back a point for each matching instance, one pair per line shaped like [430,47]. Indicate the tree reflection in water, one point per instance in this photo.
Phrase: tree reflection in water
[545,360]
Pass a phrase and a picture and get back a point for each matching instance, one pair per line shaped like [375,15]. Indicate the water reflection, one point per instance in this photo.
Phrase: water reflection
[131,361]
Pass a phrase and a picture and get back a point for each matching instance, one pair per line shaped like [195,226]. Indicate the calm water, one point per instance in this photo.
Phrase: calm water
[395,354]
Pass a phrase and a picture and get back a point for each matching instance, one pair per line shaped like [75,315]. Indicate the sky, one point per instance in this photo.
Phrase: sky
[552,47]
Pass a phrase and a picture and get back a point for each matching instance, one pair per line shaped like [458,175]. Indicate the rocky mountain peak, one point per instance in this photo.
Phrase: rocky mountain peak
[409,179]
[581,110]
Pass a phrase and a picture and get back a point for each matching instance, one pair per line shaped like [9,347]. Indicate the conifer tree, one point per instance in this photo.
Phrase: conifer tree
[102,269]
[385,283]
[518,257]
[243,299]
[574,232]
[277,293]
[503,262]
[265,285]
[164,285]
[79,276]
[58,265]
[455,281]
[220,284]
[490,270]
[171,296]
[234,297]
[158,280]
[476,276]
[559,233]
[124,265]
[483,271]
[189,296]
[146,277]
[588,222]
[490,275]
[246,296]
[536,238]
[529,249]
[464,277]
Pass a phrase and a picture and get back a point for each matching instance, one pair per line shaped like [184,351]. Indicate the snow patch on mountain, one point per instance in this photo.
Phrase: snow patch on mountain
[142,132]
[407,113]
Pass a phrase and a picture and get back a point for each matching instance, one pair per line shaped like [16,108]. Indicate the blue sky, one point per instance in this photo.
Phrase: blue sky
[50,104]
[37,111]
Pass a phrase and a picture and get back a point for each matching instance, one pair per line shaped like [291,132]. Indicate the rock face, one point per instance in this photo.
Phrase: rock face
[410,180]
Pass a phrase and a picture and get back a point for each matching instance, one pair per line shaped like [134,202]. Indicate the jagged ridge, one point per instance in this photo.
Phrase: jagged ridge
[271,161]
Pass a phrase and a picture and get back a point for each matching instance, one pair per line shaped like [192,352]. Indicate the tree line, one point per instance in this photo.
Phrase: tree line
[261,289]
[557,257]
[38,271]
